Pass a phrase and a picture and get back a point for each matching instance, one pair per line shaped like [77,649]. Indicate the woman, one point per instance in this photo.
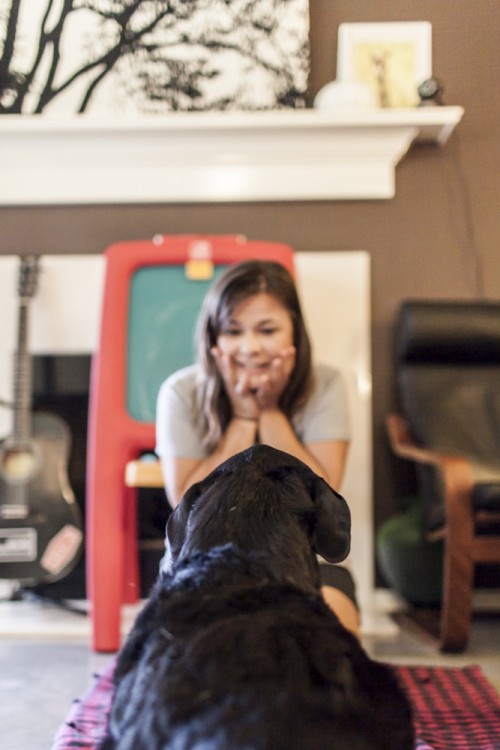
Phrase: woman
[254,382]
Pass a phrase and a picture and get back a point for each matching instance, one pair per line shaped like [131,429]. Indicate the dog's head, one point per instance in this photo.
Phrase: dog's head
[261,499]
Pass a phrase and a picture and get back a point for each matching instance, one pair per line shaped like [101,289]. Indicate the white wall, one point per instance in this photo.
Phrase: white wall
[335,292]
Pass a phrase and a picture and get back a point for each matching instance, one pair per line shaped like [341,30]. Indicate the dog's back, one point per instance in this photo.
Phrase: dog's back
[236,649]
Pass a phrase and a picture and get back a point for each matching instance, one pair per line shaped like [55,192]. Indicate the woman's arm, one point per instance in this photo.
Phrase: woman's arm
[326,458]
[180,473]
[261,415]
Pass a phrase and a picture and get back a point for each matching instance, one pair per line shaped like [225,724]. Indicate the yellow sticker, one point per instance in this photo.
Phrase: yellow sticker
[199,270]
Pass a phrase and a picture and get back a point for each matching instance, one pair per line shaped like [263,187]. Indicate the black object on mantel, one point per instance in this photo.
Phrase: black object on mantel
[430,92]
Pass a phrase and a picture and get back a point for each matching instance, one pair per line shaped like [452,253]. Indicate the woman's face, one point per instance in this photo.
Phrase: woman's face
[257,331]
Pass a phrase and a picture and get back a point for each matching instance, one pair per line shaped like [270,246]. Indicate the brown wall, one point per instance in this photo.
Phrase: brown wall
[439,237]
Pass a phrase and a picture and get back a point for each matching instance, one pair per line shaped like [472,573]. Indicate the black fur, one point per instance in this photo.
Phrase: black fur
[235,649]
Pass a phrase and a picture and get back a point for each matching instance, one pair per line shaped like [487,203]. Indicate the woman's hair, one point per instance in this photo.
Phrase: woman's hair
[236,284]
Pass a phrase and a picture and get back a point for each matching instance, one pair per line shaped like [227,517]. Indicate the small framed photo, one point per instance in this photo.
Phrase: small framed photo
[392,58]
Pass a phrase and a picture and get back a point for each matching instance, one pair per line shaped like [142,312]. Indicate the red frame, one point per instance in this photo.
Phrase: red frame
[114,437]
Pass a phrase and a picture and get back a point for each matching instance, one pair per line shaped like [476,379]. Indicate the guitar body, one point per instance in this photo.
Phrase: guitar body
[40,520]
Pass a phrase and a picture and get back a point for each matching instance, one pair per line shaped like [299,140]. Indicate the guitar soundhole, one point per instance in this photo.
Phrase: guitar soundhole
[18,464]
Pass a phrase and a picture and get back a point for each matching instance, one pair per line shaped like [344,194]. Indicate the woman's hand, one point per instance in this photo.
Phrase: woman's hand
[240,387]
[273,383]
[251,394]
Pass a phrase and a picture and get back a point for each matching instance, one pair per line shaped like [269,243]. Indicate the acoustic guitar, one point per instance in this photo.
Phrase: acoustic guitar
[41,530]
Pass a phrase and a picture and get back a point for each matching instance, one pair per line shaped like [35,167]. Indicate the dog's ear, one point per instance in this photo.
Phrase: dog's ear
[332,518]
[178,522]
[332,531]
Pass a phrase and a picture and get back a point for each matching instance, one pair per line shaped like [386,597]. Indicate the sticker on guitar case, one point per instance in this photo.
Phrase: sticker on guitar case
[61,549]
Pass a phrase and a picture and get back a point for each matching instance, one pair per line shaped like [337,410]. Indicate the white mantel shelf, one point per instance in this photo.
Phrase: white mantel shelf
[282,155]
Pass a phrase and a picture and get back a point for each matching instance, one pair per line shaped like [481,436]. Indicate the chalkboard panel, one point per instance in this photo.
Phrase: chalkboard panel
[163,310]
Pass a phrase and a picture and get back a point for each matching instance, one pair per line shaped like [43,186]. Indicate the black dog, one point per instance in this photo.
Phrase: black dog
[235,649]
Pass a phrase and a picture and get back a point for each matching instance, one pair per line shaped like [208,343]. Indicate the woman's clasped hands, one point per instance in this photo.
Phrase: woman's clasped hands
[253,388]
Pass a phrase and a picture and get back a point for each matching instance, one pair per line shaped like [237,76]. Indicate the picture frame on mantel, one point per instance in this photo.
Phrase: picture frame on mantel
[392,58]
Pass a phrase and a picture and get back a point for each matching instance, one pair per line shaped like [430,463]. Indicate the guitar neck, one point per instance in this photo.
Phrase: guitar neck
[21,434]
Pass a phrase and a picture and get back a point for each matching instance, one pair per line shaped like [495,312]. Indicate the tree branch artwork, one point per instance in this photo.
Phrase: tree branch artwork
[152,56]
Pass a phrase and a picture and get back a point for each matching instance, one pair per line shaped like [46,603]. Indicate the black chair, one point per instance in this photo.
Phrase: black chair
[448,380]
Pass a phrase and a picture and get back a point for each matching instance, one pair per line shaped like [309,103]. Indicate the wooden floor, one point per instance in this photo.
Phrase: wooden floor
[46,663]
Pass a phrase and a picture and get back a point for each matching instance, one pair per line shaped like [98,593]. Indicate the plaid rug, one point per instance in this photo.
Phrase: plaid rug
[454,709]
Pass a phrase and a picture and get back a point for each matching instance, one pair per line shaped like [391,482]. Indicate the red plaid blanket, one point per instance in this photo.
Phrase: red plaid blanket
[454,709]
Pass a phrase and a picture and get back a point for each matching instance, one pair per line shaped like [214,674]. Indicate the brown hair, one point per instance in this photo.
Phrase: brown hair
[236,284]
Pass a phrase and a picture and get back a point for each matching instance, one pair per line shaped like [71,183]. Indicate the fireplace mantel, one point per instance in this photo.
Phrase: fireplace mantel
[280,155]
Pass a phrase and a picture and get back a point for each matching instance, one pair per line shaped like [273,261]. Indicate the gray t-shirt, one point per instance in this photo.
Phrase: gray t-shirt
[324,417]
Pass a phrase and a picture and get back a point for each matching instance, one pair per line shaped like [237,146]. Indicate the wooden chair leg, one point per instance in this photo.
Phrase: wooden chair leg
[456,611]
[458,571]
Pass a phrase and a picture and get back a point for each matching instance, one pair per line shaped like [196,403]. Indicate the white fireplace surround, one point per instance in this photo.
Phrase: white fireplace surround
[281,155]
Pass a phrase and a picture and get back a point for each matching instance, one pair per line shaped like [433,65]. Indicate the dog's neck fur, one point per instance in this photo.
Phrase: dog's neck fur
[228,563]
[203,587]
